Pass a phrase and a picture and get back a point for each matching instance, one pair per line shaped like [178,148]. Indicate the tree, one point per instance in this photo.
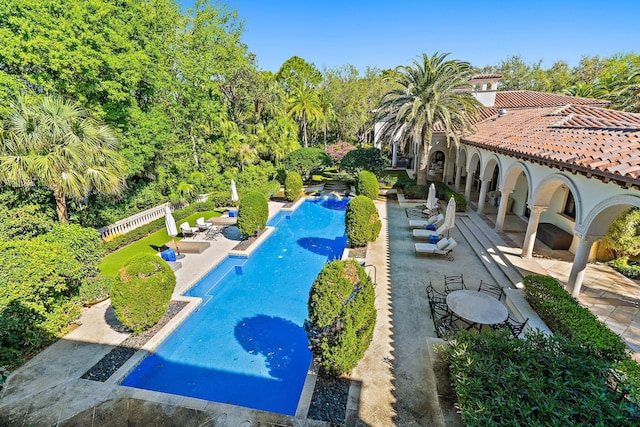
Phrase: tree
[306,161]
[626,94]
[296,72]
[429,92]
[304,106]
[55,143]
[624,234]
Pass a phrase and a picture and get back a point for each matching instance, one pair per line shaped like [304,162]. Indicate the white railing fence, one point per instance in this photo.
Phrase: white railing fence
[138,220]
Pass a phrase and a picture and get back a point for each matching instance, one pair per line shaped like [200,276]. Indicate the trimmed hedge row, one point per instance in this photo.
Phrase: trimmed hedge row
[539,381]
[443,192]
[362,221]
[292,186]
[253,213]
[562,313]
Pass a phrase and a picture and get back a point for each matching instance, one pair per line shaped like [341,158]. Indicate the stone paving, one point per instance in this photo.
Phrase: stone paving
[394,385]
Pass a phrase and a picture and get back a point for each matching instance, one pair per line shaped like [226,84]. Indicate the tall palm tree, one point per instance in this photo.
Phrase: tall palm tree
[304,106]
[427,93]
[55,143]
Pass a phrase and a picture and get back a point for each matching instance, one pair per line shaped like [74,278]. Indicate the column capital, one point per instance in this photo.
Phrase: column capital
[537,209]
[506,190]
[588,238]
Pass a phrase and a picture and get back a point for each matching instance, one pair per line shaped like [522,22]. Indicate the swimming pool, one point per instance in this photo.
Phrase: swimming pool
[245,344]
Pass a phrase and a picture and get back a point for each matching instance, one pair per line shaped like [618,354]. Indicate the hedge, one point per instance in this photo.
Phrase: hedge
[292,186]
[342,316]
[253,213]
[371,159]
[362,222]
[142,295]
[367,185]
[544,380]
[562,313]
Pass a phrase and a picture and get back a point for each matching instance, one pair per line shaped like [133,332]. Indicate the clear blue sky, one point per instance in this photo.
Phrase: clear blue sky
[385,34]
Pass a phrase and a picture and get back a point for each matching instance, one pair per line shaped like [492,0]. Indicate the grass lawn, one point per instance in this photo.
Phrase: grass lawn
[401,173]
[113,262]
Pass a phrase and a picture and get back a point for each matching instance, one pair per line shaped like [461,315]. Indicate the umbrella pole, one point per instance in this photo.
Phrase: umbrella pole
[175,242]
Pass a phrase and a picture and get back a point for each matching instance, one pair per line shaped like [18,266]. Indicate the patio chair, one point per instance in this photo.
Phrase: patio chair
[202,225]
[514,326]
[454,283]
[213,232]
[443,247]
[420,234]
[444,321]
[491,289]
[435,220]
[187,230]
[435,297]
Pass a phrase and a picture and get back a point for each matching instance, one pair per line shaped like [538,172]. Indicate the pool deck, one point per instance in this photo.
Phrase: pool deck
[394,385]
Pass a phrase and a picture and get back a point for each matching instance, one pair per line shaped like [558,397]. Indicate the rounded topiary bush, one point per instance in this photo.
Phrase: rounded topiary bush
[342,316]
[292,186]
[253,212]
[367,185]
[142,295]
[362,222]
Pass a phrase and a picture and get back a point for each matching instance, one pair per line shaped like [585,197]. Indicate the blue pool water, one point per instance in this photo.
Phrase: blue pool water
[245,344]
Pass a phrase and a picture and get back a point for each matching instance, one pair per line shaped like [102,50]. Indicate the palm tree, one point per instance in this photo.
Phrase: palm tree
[55,143]
[428,93]
[626,93]
[304,106]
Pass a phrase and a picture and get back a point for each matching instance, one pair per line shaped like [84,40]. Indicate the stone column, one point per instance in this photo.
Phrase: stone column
[484,184]
[502,207]
[467,187]
[580,261]
[532,230]
[458,177]
[394,157]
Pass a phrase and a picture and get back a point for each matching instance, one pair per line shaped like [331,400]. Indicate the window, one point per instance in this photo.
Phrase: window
[569,206]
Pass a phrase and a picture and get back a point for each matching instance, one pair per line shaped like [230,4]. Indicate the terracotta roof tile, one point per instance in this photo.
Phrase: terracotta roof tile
[589,139]
[486,76]
[528,98]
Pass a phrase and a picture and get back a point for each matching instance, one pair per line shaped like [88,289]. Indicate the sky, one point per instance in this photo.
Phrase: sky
[386,34]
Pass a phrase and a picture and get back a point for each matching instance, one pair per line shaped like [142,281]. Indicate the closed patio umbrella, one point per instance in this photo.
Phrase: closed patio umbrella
[234,192]
[431,199]
[450,215]
[170,223]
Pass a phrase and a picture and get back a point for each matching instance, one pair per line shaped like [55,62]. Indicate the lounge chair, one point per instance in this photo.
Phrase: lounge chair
[202,226]
[435,220]
[443,247]
[187,230]
[421,234]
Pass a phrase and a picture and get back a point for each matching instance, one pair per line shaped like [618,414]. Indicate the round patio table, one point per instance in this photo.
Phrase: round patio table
[477,307]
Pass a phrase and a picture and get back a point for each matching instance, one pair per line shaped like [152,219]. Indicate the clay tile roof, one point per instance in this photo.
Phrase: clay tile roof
[586,139]
[528,98]
[486,76]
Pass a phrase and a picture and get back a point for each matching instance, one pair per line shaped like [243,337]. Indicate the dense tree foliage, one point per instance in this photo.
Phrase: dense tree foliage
[623,236]
[342,316]
[306,161]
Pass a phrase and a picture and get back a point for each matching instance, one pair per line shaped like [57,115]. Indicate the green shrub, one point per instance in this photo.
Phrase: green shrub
[342,316]
[142,295]
[413,191]
[253,213]
[38,284]
[84,243]
[562,313]
[307,161]
[371,159]
[220,199]
[23,222]
[625,267]
[367,185]
[268,189]
[623,236]
[95,289]
[461,202]
[539,381]
[292,186]
[362,222]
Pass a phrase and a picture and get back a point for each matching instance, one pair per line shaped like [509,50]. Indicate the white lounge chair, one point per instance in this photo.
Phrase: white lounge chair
[421,234]
[202,226]
[435,220]
[443,247]
[187,230]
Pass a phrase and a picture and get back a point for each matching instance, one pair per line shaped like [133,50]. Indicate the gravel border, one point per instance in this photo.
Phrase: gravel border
[329,400]
[117,357]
